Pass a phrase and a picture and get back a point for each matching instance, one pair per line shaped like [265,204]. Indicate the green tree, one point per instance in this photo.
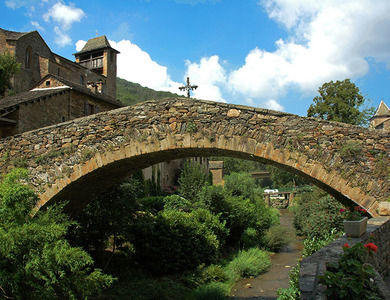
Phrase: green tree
[282,178]
[340,101]
[36,262]
[107,217]
[8,68]
[192,179]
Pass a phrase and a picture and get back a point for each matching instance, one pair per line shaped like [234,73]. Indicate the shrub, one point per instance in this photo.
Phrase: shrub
[251,262]
[177,202]
[192,179]
[213,273]
[211,291]
[36,262]
[175,241]
[240,184]
[314,243]
[278,237]
[317,215]
[152,204]
[251,238]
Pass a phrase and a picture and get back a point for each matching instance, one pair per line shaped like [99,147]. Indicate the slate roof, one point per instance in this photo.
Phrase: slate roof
[80,88]
[8,103]
[382,110]
[99,42]
[13,35]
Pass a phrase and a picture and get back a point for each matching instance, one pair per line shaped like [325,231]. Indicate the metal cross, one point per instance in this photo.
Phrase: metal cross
[188,87]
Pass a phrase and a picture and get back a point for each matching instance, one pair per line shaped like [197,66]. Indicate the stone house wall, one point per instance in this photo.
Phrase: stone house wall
[48,111]
[79,100]
[59,107]
[29,75]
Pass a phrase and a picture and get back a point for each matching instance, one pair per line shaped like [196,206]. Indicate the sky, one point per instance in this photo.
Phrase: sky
[271,54]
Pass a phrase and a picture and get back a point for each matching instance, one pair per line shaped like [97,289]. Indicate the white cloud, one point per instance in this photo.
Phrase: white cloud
[274,105]
[14,4]
[62,39]
[65,15]
[80,45]
[37,26]
[329,40]
[210,77]
[136,65]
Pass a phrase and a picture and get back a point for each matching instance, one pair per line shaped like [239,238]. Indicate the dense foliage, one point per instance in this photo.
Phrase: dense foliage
[36,262]
[192,179]
[8,68]
[317,214]
[130,93]
[340,101]
[174,241]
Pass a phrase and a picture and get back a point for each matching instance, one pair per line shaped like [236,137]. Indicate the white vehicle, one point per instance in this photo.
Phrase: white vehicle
[270,191]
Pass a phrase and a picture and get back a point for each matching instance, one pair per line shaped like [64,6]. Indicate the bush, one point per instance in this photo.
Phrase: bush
[177,202]
[211,291]
[278,237]
[212,273]
[175,241]
[315,243]
[36,262]
[252,262]
[192,179]
[317,215]
[240,184]
[251,238]
[152,204]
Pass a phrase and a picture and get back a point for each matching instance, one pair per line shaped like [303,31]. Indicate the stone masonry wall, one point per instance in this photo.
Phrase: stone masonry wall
[79,158]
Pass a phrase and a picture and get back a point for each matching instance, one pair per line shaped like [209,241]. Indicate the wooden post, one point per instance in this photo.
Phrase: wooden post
[267,199]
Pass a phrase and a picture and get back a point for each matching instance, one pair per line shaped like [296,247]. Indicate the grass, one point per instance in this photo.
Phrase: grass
[211,282]
[251,262]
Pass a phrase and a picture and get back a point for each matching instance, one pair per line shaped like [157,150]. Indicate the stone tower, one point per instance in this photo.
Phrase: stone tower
[381,118]
[99,57]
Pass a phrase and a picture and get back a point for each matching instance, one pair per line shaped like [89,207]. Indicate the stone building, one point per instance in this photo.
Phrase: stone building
[52,100]
[381,118]
[95,64]
[52,89]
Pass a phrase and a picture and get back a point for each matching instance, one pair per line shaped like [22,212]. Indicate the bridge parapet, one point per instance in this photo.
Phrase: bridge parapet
[76,160]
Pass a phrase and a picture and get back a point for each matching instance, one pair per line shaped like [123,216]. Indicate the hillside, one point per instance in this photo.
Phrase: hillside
[130,93]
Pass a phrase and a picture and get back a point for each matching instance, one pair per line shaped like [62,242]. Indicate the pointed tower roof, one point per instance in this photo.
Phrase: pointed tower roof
[100,42]
[382,110]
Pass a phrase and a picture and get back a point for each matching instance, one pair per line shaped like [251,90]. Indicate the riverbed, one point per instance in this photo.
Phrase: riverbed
[266,285]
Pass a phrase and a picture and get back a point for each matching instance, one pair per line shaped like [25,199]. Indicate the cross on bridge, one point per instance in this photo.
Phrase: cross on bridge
[188,87]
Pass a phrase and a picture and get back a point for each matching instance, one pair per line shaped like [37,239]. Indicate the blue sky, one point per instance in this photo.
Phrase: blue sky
[264,53]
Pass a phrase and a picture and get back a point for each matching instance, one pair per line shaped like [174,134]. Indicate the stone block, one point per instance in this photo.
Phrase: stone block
[384,208]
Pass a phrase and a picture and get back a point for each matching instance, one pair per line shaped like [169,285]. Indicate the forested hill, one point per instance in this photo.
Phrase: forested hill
[131,93]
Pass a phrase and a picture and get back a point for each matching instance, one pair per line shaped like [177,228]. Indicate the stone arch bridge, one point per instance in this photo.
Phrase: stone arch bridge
[79,159]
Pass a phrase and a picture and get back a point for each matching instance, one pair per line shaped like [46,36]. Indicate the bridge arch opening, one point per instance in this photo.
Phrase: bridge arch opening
[95,176]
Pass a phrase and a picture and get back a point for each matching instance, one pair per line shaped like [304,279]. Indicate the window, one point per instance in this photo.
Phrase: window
[90,109]
[27,58]
[82,80]
[47,83]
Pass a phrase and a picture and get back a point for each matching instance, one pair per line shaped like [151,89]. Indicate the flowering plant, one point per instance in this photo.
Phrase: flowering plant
[353,214]
[351,277]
